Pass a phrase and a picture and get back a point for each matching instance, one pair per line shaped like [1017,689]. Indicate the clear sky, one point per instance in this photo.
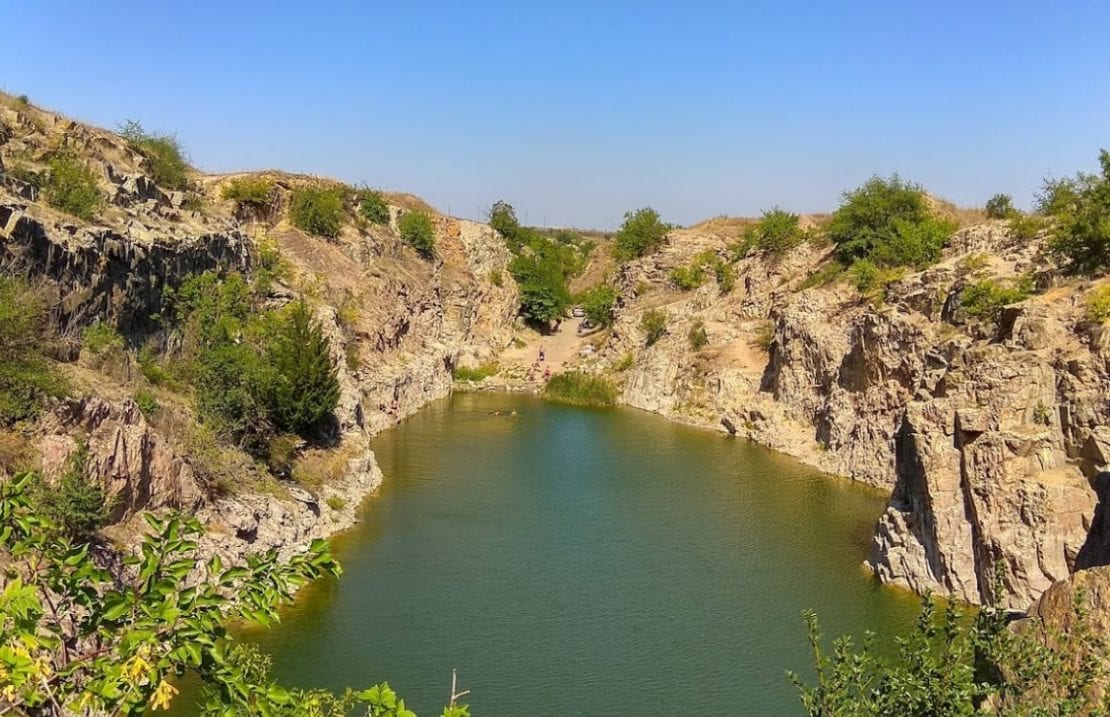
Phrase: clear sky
[578,111]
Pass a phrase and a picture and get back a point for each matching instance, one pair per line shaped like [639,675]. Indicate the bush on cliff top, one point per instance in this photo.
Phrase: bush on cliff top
[417,231]
[372,206]
[888,222]
[318,209]
[641,233]
[165,158]
[253,192]
[1081,208]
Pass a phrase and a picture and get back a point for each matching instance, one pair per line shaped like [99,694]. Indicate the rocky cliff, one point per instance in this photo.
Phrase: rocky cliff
[397,322]
[988,434]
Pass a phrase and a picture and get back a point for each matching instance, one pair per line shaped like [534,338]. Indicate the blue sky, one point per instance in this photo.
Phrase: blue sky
[578,111]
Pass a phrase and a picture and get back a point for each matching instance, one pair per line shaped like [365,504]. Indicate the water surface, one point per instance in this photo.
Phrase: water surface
[586,562]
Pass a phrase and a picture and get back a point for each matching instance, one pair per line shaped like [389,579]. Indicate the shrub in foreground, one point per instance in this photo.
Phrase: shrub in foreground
[582,389]
[418,232]
[144,631]
[954,666]
[318,209]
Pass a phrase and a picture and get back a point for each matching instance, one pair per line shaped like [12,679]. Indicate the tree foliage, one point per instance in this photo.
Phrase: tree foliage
[417,231]
[165,159]
[75,638]
[641,233]
[888,222]
[318,209]
[76,503]
[303,389]
[27,377]
[1081,208]
[955,666]
[776,232]
[1000,206]
[598,303]
[542,264]
[72,187]
[372,206]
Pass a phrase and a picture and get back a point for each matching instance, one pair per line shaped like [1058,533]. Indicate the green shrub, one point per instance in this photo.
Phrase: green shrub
[1000,206]
[776,232]
[725,274]
[1026,227]
[303,387]
[318,209]
[823,275]
[697,336]
[417,231]
[974,262]
[76,503]
[502,218]
[544,295]
[475,373]
[985,299]
[281,452]
[496,277]
[165,159]
[146,402]
[582,389]
[269,267]
[1098,304]
[686,278]
[336,503]
[1081,233]
[888,222]
[598,304]
[764,335]
[250,191]
[654,324]
[101,337]
[27,378]
[372,206]
[952,664]
[71,186]
[625,362]
[24,100]
[641,233]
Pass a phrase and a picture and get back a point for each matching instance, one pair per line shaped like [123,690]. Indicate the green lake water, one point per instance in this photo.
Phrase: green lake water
[571,561]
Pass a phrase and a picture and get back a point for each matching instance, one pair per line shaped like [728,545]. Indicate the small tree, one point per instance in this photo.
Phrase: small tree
[642,232]
[1081,234]
[654,325]
[502,217]
[1000,206]
[27,378]
[372,206]
[304,386]
[598,302]
[71,186]
[874,220]
[76,503]
[417,231]
[318,209]
[165,158]
[776,232]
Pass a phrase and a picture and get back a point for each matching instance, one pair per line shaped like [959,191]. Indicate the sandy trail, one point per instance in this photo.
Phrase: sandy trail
[559,348]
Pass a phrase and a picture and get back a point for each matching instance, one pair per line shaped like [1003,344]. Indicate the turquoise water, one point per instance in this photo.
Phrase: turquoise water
[569,561]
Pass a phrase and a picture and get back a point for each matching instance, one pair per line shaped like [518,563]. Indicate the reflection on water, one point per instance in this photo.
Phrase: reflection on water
[570,561]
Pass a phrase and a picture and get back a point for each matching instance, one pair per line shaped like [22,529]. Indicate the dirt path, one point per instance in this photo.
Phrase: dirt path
[559,348]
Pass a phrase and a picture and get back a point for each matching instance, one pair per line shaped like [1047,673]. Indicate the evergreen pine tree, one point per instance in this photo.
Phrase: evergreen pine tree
[304,388]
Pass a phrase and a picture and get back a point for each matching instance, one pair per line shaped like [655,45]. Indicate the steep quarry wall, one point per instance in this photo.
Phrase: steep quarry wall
[988,435]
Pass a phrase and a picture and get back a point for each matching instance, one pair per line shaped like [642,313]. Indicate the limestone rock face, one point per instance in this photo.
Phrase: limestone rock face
[988,434]
[138,469]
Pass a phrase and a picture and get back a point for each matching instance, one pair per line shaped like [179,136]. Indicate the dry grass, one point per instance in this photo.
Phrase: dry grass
[16,453]
[962,216]
[318,467]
